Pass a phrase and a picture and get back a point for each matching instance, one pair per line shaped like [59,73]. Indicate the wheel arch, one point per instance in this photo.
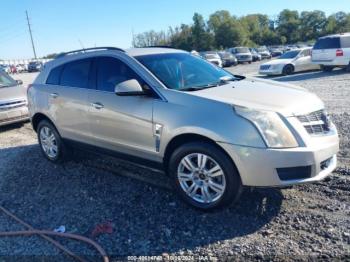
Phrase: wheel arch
[37,118]
[185,138]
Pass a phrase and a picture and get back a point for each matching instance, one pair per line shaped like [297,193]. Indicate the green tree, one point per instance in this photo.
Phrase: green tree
[227,30]
[201,37]
[312,25]
[181,37]
[288,25]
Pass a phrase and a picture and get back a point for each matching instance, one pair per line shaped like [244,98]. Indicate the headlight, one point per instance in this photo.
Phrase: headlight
[271,127]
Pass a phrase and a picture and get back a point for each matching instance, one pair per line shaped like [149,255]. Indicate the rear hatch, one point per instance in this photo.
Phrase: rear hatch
[325,49]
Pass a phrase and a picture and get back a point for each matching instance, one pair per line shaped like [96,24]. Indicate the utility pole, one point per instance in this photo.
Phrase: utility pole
[31,35]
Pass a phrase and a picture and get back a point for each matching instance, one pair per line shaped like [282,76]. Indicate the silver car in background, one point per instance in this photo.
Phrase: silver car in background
[211,131]
[242,54]
[13,100]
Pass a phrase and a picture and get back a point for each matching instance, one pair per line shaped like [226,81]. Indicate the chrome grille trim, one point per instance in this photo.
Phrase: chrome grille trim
[315,123]
[8,105]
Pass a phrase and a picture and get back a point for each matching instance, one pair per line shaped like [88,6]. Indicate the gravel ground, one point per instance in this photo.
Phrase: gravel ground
[306,222]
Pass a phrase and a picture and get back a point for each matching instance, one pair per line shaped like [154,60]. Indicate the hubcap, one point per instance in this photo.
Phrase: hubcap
[201,178]
[48,142]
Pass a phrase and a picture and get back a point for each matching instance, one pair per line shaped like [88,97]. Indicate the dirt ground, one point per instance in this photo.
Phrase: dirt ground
[306,222]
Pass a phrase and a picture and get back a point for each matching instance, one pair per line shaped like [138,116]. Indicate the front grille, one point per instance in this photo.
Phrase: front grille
[8,105]
[265,67]
[315,123]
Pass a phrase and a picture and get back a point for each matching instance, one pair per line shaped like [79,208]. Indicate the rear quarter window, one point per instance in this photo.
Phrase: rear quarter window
[345,42]
[328,43]
[54,76]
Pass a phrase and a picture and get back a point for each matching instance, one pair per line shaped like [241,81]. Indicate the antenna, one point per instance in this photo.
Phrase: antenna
[31,35]
[82,46]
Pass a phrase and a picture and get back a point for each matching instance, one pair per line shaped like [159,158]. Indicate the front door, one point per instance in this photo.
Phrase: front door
[120,123]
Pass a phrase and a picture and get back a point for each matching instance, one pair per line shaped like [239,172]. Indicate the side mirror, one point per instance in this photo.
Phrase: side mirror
[19,82]
[129,88]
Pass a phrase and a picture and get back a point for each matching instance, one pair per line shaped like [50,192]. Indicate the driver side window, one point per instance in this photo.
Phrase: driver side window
[111,72]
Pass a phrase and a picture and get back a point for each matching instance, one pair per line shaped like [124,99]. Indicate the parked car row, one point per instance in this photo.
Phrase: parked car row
[329,52]
[34,66]
[235,55]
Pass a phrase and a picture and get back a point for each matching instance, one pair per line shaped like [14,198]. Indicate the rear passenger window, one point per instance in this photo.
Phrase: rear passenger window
[111,72]
[54,76]
[345,42]
[76,74]
[328,43]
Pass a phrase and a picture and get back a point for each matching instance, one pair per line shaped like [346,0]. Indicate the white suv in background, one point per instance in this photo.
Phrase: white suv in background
[332,51]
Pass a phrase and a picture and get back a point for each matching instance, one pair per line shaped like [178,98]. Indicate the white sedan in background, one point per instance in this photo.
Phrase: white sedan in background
[293,61]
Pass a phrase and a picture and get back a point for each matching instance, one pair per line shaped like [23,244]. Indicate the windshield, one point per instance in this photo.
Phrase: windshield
[211,56]
[261,49]
[242,50]
[226,55]
[181,71]
[6,81]
[289,55]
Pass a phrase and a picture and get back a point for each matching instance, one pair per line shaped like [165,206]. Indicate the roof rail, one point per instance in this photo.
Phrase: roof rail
[88,49]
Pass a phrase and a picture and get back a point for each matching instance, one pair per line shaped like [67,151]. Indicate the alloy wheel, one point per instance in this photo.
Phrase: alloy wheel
[201,178]
[48,142]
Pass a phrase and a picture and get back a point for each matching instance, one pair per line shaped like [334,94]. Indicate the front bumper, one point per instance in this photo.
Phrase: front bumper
[258,166]
[14,116]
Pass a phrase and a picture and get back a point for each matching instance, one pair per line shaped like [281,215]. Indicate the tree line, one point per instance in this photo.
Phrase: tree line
[223,30]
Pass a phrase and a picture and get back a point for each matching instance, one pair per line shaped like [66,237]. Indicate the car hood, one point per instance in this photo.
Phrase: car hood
[279,62]
[262,94]
[12,92]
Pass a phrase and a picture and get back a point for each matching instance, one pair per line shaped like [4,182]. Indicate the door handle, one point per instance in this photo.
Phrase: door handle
[97,105]
[54,95]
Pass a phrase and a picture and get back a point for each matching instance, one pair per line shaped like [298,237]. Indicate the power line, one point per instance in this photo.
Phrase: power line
[31,36]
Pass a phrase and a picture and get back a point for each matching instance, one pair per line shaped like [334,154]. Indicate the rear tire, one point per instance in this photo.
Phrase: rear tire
[204,176]
[348,68]
[288,70]
[51,143]
[327,68]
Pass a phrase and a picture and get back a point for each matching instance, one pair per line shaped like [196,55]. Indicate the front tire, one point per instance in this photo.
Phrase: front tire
[288,70]
[204,176]
[50,142]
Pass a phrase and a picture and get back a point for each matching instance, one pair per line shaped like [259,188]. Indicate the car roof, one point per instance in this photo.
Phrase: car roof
[152,51]
[335,35]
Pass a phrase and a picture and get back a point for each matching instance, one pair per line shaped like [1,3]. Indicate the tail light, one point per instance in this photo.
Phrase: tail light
[339,52]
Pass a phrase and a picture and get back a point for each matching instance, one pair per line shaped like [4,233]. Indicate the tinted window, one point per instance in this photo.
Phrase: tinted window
[328,43]
[76,74]
[345,42]
[289,55]
[54,76]
[111,72]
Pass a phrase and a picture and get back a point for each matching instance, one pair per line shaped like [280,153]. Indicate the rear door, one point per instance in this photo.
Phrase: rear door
[325,49]
[120,123]
[67,87]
